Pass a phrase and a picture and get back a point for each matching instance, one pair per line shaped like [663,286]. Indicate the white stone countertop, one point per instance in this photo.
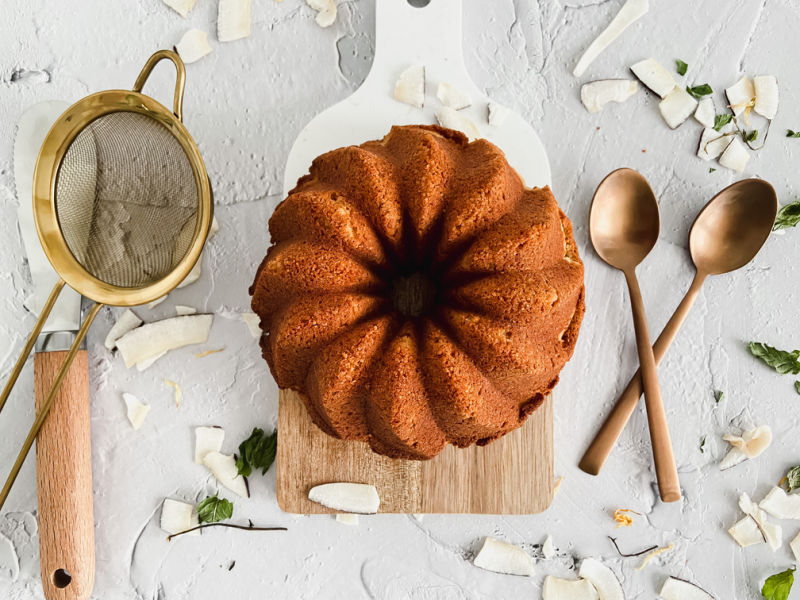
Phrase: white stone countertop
[245,103]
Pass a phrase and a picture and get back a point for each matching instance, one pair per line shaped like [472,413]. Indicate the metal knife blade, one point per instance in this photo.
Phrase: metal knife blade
[31,132]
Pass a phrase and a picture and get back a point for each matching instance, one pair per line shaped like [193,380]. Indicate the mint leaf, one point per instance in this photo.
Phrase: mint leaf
[214,510]
[794,134]
[257,452]
[703,445]
[788,216]
[699,91]
[793,478]
[680,66]
[721,120]
[750,137]
[782,361]
[711,169]
[778,586]
[719,396]
[797,386]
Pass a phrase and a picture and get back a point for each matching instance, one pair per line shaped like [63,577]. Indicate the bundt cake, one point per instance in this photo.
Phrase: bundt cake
[416,294]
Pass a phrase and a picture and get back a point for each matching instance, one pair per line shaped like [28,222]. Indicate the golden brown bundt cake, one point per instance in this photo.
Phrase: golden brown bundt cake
[416,294]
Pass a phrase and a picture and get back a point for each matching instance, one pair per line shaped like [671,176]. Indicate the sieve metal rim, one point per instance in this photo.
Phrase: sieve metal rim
[58,140]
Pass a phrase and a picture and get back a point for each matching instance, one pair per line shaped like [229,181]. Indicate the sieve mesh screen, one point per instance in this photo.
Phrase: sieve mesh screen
[126,199]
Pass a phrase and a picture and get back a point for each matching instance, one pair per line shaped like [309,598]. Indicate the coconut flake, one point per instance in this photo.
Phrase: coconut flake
[731,459]
[752,442]
[137,411]
[557,485]
[766,91]
[155,338]
[548,551]
[233,20]
[127,321]
[146,364]
[182,310]
[712,143]
[746,532]
[602,578]
[556,588]
[654,76]
[194,274]
[252,321]
[596,94]
[630,12]
[197,269]
[497,114]
[347,497]
[772,533]
[680,589]
[326,11]
[207,439]
[706,114]
[223,466]
[741,96]
[347,518]
[182,7]
[410,88]
[452,119]
[214,228]
[177,391]
[451,96]
[502,557]
[735,156]
[676,107]
[193,46]
[157,301]
[781,505]
[795,546]
[177,517]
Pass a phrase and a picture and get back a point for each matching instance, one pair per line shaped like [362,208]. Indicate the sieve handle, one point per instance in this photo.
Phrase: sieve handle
[64,479]
[180,77]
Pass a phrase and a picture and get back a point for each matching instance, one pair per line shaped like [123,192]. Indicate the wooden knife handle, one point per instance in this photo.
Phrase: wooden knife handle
[64,480]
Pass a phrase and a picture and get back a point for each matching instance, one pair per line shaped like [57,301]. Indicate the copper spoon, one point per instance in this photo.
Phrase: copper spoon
[623,226]
[726,235]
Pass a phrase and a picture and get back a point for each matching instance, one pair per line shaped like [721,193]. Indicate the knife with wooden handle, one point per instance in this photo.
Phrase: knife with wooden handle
[63,446]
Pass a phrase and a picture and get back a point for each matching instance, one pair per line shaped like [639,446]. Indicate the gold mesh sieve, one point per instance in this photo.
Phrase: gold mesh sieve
[122,206]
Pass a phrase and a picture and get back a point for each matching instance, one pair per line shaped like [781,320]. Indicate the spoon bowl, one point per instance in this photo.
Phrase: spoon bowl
[733,226]
[623,219]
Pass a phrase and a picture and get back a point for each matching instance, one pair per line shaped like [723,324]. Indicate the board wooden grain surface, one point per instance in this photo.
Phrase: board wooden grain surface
[64,480]
[513,475]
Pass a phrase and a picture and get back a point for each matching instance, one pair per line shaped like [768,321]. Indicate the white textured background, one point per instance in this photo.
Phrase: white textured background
[245,104]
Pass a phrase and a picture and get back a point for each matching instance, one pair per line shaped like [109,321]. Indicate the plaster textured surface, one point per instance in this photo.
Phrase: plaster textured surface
[245,103]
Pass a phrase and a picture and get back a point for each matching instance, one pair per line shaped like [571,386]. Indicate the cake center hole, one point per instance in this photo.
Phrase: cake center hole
[413,295]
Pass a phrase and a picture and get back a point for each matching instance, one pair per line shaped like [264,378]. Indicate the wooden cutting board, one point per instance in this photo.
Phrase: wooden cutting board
[513,475]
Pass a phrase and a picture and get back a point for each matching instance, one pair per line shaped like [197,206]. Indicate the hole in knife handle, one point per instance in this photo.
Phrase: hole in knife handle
[61,578]
[419,3]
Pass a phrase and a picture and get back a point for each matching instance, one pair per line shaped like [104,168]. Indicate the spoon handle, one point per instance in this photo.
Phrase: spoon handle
[596,454]
[666,472]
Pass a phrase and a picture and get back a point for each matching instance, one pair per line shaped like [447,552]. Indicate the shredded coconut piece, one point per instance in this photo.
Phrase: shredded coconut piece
[623,517]
[208,352]
[178,391]
[653,554]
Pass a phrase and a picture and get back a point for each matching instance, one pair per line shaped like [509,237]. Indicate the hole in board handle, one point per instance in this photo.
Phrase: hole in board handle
[61,578]
[419,3]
